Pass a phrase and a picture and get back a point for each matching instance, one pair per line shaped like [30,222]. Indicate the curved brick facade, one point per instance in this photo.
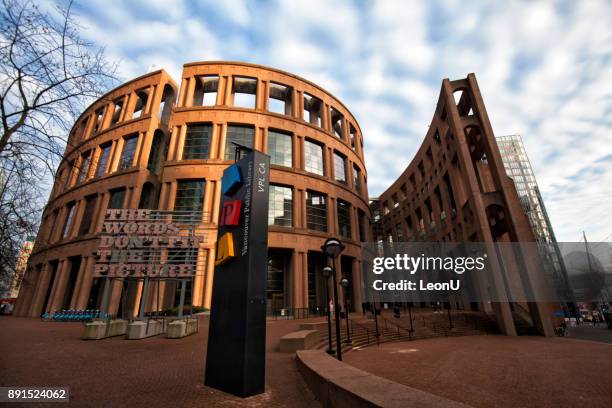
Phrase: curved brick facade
[138,145]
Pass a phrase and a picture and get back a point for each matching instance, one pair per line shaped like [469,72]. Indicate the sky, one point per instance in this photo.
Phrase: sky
[544,69]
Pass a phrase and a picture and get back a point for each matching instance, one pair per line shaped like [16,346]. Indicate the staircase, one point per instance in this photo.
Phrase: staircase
[424,326]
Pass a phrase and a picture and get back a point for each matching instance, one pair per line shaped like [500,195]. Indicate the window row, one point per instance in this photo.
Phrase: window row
[280,212]
[126,107]
[280,100]
[280,148]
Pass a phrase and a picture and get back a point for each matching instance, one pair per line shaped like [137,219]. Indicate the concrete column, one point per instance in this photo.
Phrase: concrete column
[332,222]
[39,292]
[180,142]
[264,140]
[296,97]
[257,140]
[115,155]
[297,208]
[173,142]
[215,202]
[147,108]
[298,143]
[182,92]
[327,163]
[210,273]
[222,135]
[228,97]
[172,195]
[214,141]
[191,82]
[304,265]
[140,146]
[60,286]
[357,287]
[78,217]
[102,203]
[86,282]
[77,286]
[198,280]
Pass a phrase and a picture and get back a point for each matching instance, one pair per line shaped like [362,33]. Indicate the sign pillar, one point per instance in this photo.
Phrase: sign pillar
[235,360]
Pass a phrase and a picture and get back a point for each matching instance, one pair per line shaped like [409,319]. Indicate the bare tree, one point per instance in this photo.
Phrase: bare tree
[48,75]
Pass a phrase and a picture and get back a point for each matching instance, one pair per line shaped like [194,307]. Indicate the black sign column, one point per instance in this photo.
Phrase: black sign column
[235,360]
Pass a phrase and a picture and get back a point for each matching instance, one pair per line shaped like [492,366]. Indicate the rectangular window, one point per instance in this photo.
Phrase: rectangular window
[312,109]
[206,89]
[85,161]
[189,195]
[344,219]
[68,221]
[316,211]
[313,155]
[117,112]
[90,207]
[280,148]
[245,92]
[242,135]
[129,149]
[280,211]
[336,121]
[116,199]
[280,98]
[103,160]
[197,142]
[357,179]
[339,168]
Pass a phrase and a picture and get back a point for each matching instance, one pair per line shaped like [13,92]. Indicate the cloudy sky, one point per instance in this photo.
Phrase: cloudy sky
[544,68]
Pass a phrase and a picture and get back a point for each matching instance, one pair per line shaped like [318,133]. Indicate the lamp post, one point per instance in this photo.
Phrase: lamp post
[327,271]
[345,283]
[332,248]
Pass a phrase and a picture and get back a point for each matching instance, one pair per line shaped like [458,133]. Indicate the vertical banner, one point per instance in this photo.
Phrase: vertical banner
[235,360]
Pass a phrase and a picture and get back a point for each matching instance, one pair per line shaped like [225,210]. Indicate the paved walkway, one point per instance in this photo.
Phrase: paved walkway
[587,331]
[155,372]
[498,371]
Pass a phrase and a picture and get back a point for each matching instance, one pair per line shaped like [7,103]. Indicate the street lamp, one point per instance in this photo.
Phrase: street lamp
[345,283]
[327,271]
[332,248]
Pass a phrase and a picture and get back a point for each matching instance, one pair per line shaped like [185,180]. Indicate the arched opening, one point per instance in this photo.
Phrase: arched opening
[166,104]
[148,197]
[478,152]
[498,222]
[158,151]
[463,102]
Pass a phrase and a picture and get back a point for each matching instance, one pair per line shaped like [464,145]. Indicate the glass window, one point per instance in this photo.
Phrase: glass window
[117,112]
[245,92]
[103,160]
[197,142]
[68,221]
[316,211]
[239,134]
[280,210]
[336,121]
[90,207]
[344,219]
[313,155]
[206,89]
[280,99]
[357,179]
[312,109]
[129,149]
[116,199]
[189,195]
[85,161]
[339,168]
[280,148]
[141,103]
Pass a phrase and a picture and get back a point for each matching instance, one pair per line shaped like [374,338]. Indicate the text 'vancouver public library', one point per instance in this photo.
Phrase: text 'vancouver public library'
[150,145]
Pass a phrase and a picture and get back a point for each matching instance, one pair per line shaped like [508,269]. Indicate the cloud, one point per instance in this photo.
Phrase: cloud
[544,69]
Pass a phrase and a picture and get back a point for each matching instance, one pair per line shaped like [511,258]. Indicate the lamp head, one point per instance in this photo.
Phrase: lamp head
[344,282]
[333,247]
[327,271]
